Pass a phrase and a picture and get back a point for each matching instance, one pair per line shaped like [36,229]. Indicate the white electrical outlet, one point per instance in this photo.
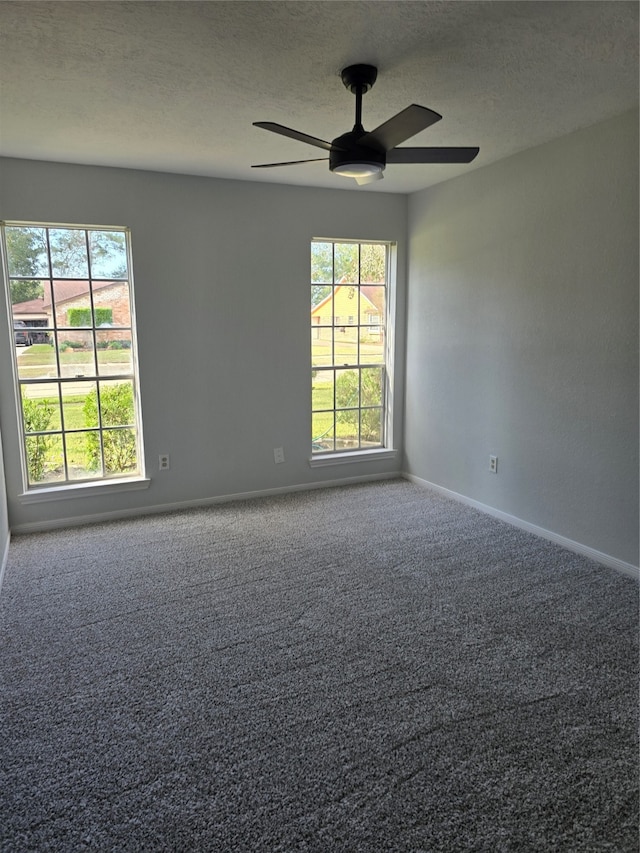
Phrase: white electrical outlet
[493,464]
[163,462]
[278,455]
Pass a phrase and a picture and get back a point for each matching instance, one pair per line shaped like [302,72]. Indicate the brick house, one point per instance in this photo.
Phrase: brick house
[38,313]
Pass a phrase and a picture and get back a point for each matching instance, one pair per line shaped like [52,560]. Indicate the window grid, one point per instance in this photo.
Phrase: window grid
[102,441]
[348,346]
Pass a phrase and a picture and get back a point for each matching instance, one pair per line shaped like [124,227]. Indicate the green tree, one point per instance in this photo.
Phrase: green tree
[70,254]
[318,293]
[25,291]
[108,251]
[373,263]
[27,254]
[321,263]
[355,263]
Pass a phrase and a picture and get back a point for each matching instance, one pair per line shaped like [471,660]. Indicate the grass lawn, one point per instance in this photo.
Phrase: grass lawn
[39,361]
[73,412]
[44,354]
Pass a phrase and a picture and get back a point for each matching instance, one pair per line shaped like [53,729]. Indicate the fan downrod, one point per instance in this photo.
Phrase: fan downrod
[359,77]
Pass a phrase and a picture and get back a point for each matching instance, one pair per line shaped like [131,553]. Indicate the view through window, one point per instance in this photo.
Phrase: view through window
[72,315]
[348,364]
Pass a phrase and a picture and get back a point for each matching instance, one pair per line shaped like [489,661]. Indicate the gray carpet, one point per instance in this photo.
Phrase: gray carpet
[370,668]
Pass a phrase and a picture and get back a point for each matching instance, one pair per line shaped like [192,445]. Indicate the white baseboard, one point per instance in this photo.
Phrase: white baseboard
[4,558]
[598,556]
[605,559]
[41,526]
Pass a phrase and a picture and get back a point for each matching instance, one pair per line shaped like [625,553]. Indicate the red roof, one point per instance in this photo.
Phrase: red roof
[64,290]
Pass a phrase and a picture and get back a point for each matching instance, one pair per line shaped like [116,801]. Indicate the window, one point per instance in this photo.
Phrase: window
[348,350]
[76,376]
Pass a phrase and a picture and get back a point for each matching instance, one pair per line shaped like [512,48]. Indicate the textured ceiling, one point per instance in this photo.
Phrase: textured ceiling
[175,86]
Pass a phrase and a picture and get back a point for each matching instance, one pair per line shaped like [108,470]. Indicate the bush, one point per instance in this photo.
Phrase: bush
[79,316]
[119,445]
[116,344]
[103,315]
[72,345]
[371,395]
[82,316]
[37,416]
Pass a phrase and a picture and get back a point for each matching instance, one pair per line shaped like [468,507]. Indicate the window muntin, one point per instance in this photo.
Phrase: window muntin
[348,351]
[76,381]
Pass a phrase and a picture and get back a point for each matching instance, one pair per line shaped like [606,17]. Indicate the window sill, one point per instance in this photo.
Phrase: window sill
[83,490]
[324,459]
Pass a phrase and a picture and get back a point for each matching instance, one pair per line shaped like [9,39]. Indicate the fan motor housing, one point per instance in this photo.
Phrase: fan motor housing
[345,150]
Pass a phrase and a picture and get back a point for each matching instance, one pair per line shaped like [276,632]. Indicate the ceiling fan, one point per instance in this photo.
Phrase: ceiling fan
[362,154]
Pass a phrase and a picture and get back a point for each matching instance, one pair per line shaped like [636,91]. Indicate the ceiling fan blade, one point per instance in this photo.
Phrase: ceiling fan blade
[432,155]
[369,179]
[400,127]
[293,134]
[288,163]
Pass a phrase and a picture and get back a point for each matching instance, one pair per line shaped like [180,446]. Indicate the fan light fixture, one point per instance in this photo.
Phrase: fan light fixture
[363,155]
[358,170]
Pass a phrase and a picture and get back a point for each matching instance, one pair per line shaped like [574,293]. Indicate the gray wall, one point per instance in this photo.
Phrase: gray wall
[522,330]
[222,295]
[522,337]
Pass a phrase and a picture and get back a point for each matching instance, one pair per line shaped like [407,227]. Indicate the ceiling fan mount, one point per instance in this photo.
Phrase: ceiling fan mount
[360,77]
[364,155]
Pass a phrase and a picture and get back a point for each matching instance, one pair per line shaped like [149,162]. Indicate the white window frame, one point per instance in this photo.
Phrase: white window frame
[70,487]
[386,451]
